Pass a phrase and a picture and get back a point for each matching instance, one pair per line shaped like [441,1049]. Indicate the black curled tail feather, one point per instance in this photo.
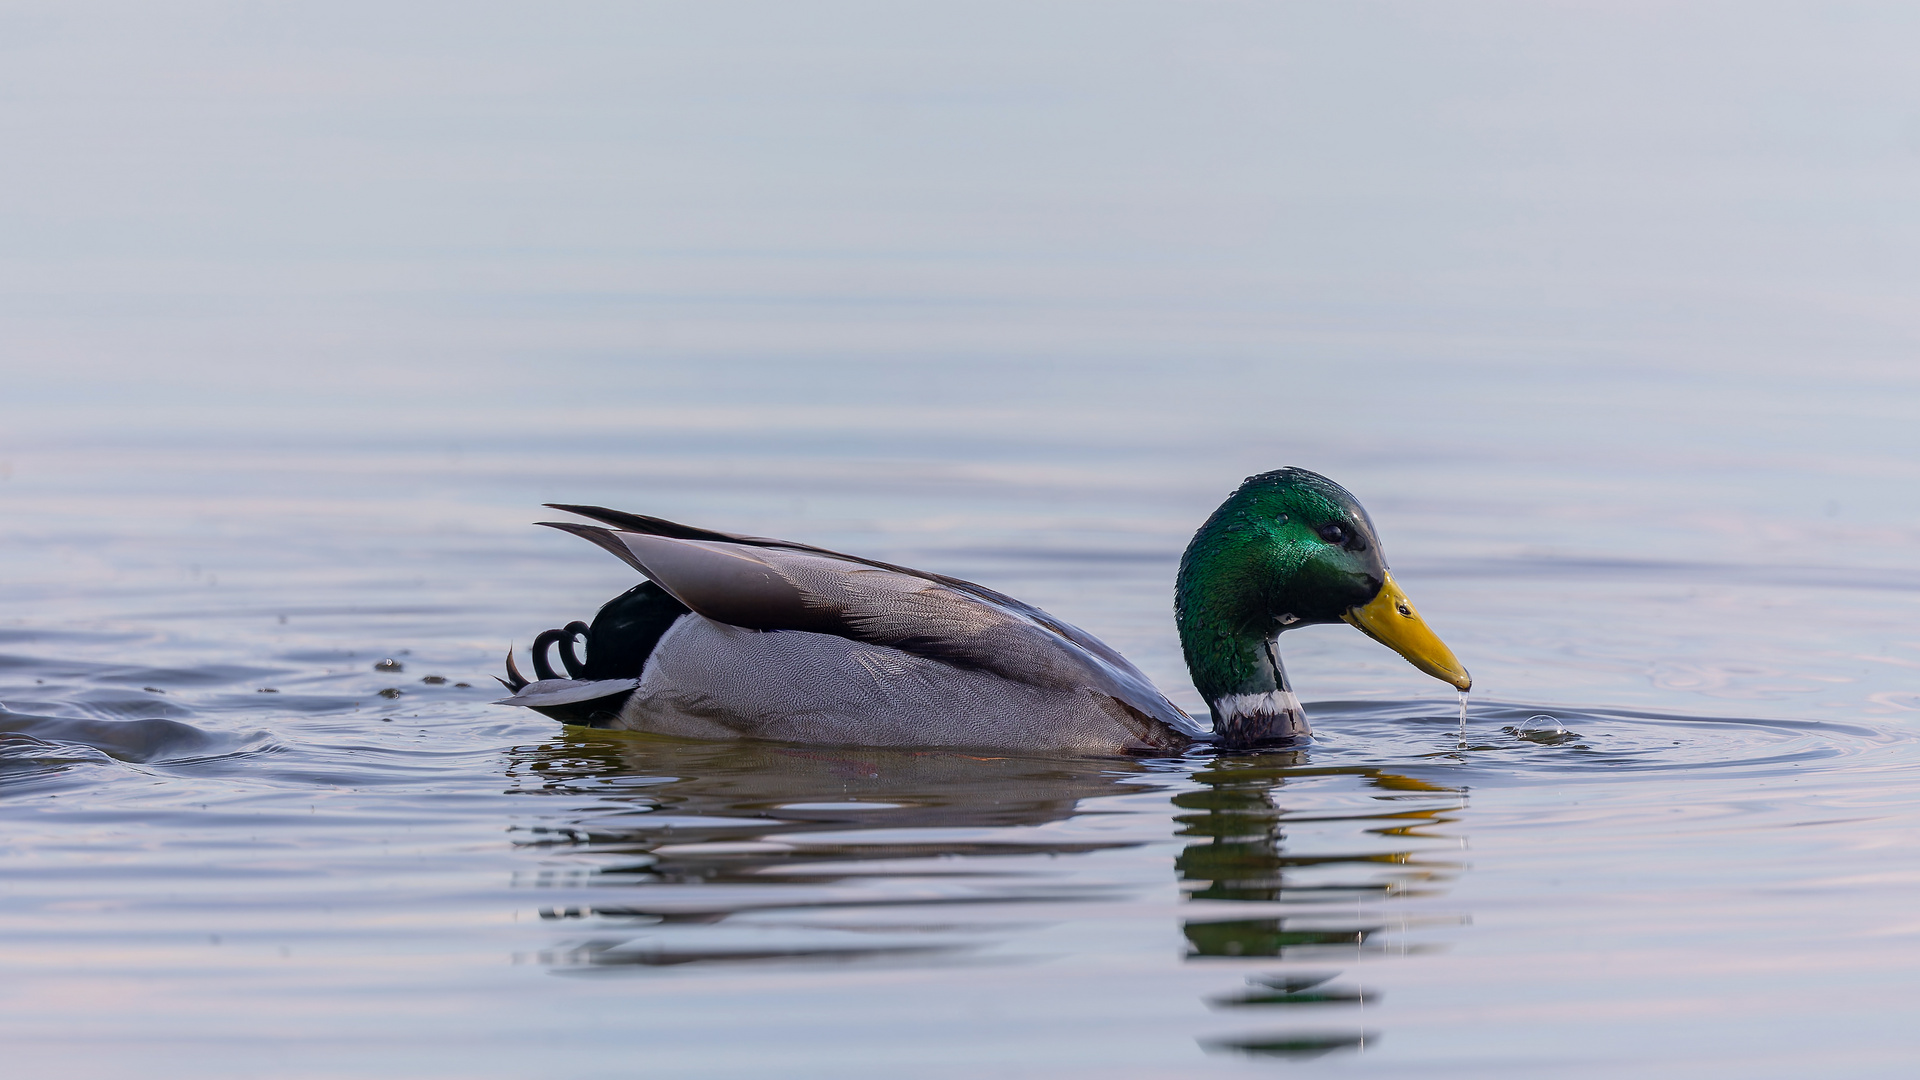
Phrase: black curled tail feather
[623,635]
[564,638]
[542,669]
[574,629]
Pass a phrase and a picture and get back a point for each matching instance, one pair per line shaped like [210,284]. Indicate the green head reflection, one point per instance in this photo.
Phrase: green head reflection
[1274,885]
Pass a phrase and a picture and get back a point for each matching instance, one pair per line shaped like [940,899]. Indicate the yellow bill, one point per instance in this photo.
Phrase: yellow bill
[1391,620]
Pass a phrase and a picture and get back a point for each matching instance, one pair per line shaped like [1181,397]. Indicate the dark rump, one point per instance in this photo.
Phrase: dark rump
[622,636]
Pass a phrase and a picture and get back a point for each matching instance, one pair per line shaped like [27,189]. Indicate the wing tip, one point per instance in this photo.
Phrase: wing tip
[601,536]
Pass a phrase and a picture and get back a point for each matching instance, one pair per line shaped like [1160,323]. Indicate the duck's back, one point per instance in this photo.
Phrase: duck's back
[784,641]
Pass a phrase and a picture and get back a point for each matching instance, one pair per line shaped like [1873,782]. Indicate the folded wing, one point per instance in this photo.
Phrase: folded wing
[763,584]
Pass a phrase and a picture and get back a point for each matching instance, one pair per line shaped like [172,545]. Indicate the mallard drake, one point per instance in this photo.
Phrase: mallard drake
[743,636]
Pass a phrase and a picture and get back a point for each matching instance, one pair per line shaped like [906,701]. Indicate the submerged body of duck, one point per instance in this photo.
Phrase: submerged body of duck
[747,637]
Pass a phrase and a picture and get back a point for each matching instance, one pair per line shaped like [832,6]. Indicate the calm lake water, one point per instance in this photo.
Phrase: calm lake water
[1608,315]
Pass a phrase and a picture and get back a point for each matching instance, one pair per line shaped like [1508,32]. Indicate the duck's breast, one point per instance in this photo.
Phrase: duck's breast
[708,679]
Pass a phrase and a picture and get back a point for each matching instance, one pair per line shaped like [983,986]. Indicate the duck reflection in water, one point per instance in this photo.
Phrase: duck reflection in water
[698,853]
[1310,902]
[710,852]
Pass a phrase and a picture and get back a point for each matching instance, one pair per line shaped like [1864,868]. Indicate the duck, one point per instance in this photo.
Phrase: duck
[747,637]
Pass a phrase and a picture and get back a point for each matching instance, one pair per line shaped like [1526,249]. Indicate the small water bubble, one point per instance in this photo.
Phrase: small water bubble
[391,692]
[1544,729]
[389,664]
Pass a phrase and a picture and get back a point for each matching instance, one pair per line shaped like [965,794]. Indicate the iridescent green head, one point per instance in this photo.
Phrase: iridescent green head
[1290,548]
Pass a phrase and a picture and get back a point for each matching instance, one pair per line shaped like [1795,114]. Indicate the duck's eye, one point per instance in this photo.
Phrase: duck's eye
[1334,533]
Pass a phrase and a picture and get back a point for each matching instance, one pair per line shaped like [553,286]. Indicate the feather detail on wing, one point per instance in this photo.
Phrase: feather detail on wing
[653,526]
[763,584]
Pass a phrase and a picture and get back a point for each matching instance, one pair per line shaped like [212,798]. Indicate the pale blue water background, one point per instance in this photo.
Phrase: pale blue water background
[1607,312]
